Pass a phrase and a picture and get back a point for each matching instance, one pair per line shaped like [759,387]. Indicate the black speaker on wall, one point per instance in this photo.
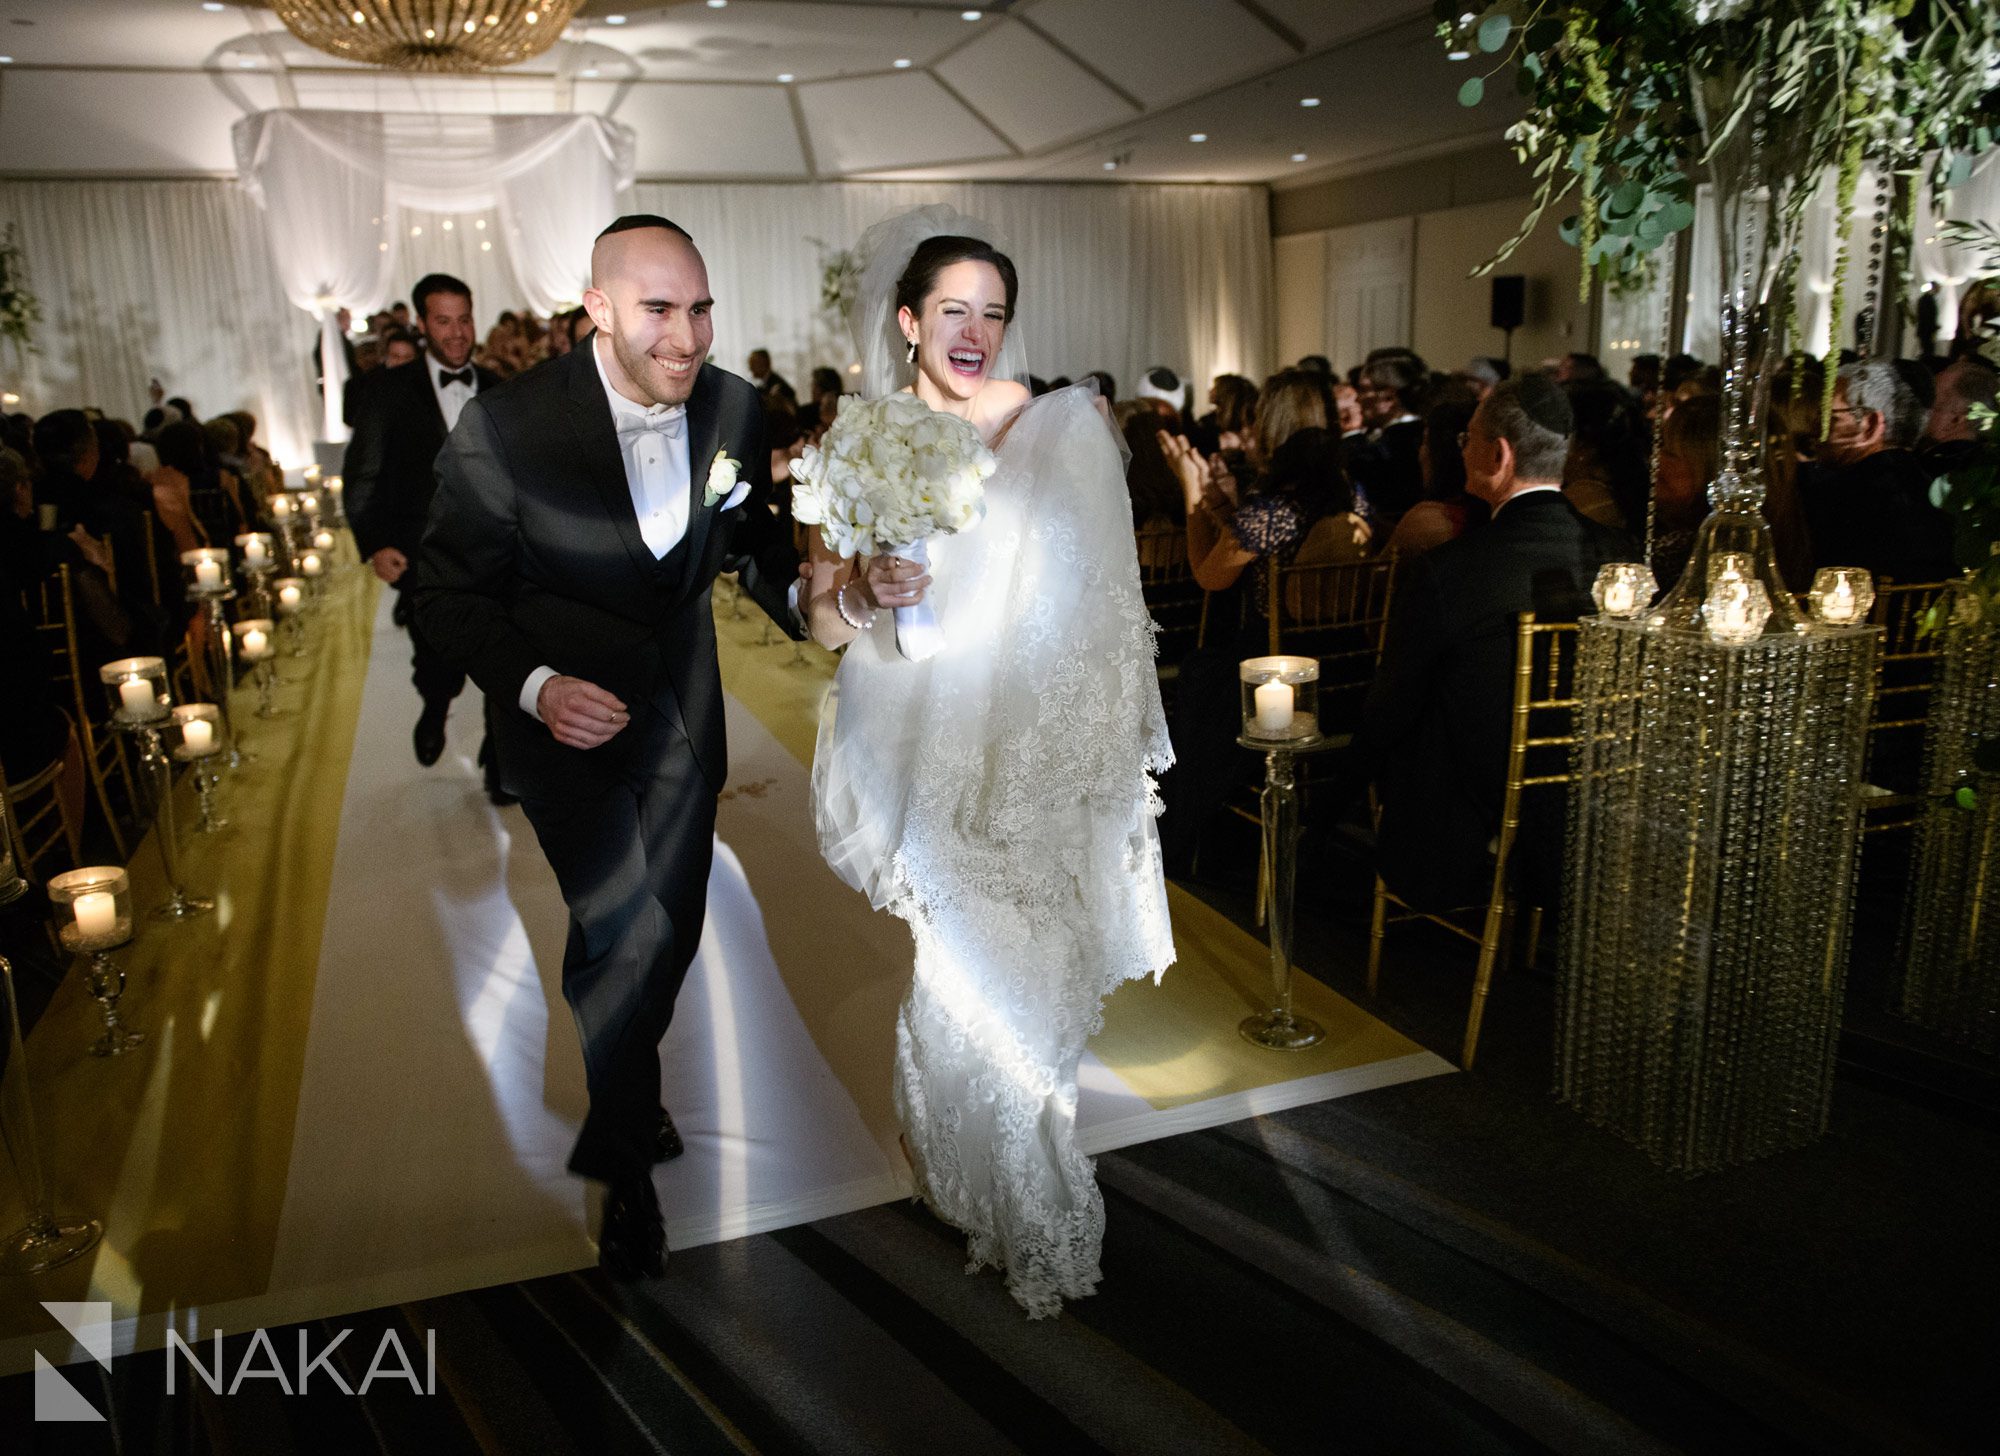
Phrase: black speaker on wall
[1510,292]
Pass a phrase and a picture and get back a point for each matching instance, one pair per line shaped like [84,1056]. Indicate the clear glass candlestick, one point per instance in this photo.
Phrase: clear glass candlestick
[93,917]
[179,905]
[46,1240]
[201,746]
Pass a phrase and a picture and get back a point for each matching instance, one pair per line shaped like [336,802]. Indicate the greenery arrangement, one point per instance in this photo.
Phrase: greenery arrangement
[1624,98]
[839,277]
[20,310]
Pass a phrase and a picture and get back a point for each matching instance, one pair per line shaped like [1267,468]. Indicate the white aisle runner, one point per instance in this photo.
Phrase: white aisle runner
[443,1083]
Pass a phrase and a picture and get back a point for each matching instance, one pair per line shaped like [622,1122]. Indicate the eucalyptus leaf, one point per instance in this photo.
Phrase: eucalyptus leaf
[1966,799]
[1494,30]
[1473,91]
[1570,229]
[1628,197]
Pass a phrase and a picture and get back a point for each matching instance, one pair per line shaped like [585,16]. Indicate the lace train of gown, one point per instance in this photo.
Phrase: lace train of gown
[998,798]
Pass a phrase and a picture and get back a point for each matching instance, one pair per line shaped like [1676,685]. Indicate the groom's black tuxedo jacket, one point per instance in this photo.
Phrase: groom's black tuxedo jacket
[391,462]
[533,556]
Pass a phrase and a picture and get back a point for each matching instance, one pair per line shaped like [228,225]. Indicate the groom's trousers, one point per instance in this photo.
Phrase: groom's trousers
[632,861]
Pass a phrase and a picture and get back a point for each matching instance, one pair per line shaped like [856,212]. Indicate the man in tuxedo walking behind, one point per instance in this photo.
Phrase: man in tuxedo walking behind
[401,420]
[583,511]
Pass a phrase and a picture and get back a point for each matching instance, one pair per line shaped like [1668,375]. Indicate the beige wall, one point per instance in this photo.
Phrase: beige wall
[1463,207]
[1451,312]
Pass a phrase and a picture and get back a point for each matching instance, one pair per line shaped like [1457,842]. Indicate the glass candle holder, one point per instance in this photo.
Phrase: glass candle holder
[288,594]
[308,503]
[253,639]
[322,541]
[1280,698]
[311,565]
[280,506]
[207,569]
[138,689]
[93,908]
[199,732]
[1624,588]
[1841,596]
[1736,609]
[257,551]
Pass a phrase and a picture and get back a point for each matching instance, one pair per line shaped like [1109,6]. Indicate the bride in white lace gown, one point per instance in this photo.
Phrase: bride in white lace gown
[998,796]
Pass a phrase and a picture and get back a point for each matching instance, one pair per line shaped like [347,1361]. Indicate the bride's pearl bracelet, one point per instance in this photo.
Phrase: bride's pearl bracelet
[840,606]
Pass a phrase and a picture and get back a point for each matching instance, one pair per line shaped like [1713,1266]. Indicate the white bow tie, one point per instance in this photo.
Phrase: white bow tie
[671,422]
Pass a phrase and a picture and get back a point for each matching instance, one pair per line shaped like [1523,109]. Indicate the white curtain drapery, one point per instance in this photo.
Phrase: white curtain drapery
[332,184]
[1121,278]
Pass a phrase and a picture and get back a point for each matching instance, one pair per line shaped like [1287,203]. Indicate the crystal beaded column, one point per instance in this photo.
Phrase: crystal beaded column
[1951,965]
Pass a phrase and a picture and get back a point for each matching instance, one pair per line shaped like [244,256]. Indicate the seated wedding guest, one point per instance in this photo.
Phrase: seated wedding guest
[580,326]
[1232,404]
[1316,364]
[117,474]
[763,379]
[1299,487]
[1642,376]
[1107,387]
[90,504]
[1290,401]
[1690,456]
[1869,505]
[238,514]
[1149,479]
[1446,511]
[1607,474]
[399,347]
[1949,431]
[1389,391]
[399,316]
[184,469]
[1435,725]
[559,340]
[1678,369]
[31,549]
[33,731]
[1165,387]
[1581,369]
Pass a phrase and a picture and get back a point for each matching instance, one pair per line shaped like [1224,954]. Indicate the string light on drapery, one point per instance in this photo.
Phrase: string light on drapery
[428,35]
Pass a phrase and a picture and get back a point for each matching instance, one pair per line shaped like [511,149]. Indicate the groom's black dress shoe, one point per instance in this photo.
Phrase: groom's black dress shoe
[633,1242]
[669,1145]
[429,737]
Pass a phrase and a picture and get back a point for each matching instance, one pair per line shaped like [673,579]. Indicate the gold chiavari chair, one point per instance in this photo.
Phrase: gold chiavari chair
[35,817]
[104,757]
[1540,734]
[1891,795]
[1174,599]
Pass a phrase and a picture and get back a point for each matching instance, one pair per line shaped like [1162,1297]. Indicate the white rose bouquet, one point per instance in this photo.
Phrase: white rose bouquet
[889,473]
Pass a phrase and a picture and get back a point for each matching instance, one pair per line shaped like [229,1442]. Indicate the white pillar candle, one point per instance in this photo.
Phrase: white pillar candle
[288,598]
[253,552]
[207,574]
[135,696]
[311,564]
[1618,598]
[280,507]
[324,540]
[198,734]
[1274,706]
[96,919]
[1839,603]
[308,503]
[253,645]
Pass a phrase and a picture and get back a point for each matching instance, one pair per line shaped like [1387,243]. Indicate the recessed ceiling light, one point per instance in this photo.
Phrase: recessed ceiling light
[717,4]
[590,71]
[486,247]
[1111,166]
[970,14]
[903,65]
[449,224]
[211,4]
[1308,101]
[6,60]
[480,224]
[381,247]
[416,231]
[247,65]
[1199,136]
[784,77]
[1298,156]
[614,20]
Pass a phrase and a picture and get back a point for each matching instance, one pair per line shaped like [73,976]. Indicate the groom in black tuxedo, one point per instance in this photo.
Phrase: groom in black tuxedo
[583,510]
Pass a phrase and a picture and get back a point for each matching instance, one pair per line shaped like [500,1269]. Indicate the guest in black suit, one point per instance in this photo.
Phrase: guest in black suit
[1868,504]
[572,545]
[401,420]
[1391,474]
[766,383]
[1435,725]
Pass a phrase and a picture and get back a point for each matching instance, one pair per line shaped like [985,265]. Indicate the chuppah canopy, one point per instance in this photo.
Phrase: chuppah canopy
[330,183]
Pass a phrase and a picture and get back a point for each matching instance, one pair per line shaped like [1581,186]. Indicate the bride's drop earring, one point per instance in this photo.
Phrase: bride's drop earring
[911,357]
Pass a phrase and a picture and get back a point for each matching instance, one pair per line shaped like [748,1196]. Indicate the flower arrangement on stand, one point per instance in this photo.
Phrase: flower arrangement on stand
[20,310]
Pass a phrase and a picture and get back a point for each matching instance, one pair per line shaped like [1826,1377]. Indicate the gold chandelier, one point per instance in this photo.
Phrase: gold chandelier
[428,35]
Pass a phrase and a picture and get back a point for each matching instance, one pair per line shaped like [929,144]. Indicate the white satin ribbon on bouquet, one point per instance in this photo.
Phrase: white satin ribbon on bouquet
[918,634]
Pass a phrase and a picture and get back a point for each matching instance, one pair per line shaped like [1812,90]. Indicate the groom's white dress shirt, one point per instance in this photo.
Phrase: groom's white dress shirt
[654,443]
[451,397]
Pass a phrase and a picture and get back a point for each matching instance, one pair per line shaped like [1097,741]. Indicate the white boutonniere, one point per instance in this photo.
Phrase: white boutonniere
[723,485]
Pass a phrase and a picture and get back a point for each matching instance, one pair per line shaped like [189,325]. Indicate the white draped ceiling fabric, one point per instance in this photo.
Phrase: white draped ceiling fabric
[175,279]
[334,184]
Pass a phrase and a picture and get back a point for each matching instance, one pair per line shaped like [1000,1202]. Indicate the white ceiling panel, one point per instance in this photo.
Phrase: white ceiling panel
[367,90]
[704,131]
[757,40]
[901,120]
[1161,50]
[76,123]
[1029,89]
[120,32]
[1324,22]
